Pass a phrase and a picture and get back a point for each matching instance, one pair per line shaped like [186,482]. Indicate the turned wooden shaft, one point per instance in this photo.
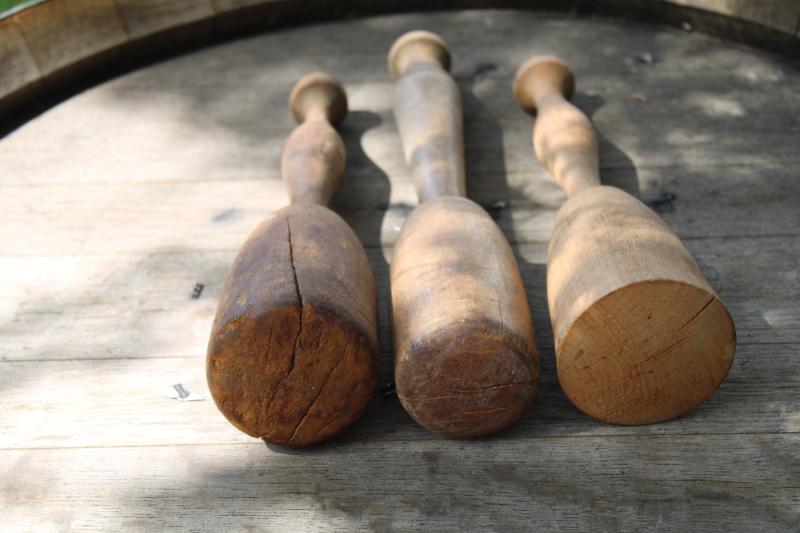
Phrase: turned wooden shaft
[314,157]
[428,114]
[465,354]
[292,357]
[563,137]
[640,335]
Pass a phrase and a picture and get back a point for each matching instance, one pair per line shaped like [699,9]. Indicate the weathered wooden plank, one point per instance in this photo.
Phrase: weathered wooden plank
[120,200]
[731,482]
[518,34]
[61,33]
[90,403]
[161,14]
[144,17]
[736,267]
[214,215]
[235,83]
[228,5]
[767,326]
[19,67]
[709,201]
[173,130]
[116,307]
[141,305]
[779,14]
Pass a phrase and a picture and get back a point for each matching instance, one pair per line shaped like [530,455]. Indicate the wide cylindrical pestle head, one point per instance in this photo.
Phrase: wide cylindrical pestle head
[417,47]
[319,92]
[292,357]
[539,77]
[465,354]
[640,335]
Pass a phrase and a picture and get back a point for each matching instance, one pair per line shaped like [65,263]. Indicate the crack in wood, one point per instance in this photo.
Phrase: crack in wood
[268,404]
[299,298]
[461,392]
[700,312]
[319,395]
[663,352]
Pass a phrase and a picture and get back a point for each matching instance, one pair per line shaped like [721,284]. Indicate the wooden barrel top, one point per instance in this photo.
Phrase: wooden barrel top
[124,205]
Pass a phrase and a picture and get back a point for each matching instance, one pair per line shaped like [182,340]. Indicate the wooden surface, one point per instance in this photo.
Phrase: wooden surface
[119,201]
[69,45]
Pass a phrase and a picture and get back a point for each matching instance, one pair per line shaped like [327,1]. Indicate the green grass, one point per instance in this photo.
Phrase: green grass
[6,5]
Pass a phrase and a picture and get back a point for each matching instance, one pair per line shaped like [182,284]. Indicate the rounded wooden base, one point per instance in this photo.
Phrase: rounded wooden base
[291,382]
[647,352]
[292,357]
[465,353]
[470,384]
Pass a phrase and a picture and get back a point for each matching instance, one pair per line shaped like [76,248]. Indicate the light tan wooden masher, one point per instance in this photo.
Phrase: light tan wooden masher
[640,335]
[465,356]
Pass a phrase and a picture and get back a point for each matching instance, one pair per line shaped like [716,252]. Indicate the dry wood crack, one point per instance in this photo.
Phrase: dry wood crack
[319,394]
[665,351]
[299,297]
[700,312]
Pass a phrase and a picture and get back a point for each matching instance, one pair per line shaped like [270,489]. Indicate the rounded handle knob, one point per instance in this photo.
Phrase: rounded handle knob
[318,93]
[417,47]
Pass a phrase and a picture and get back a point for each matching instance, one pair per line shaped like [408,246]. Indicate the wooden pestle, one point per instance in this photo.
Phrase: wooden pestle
[292,357]
[640,335]
[465,355]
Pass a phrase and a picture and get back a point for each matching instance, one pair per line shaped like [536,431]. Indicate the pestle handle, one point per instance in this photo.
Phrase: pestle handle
[428,113]
[563,138]
[314,156]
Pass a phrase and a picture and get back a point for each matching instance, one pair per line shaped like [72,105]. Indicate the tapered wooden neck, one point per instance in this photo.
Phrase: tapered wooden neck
[314,156]
[428,114]
[563,138]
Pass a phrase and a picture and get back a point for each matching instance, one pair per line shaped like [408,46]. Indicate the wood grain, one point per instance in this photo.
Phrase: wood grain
[61,33]
[640,335]
[465,355]
[344,486]
[292,355]
[19,67]
[145,17]
[142,305]
[759,397]
[119,201]
[779,14]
